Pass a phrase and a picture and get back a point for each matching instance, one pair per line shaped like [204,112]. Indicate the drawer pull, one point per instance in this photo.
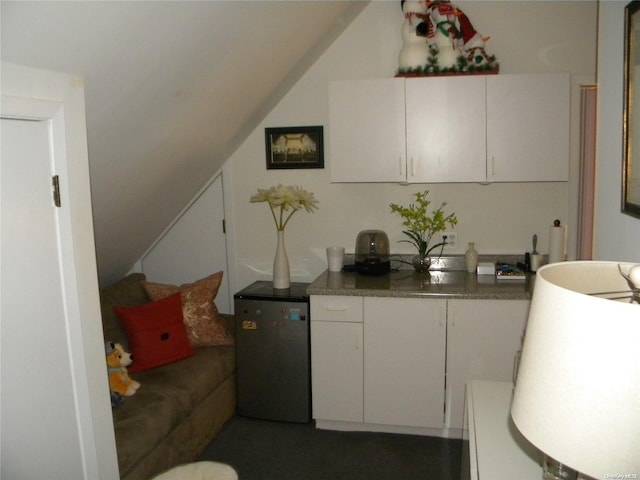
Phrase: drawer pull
[336,309]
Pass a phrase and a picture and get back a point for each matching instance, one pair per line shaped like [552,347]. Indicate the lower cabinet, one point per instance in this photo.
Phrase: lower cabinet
[389,363]
[483,337]
[336,358]
[336,380]
[404,355]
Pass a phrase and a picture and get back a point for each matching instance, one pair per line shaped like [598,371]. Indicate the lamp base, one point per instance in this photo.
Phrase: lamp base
[554,470]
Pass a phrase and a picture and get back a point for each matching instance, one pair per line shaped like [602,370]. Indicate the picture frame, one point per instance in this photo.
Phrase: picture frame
[631,120]
[294,147]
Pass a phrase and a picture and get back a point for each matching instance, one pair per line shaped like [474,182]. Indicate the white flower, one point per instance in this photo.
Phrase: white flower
[289,198]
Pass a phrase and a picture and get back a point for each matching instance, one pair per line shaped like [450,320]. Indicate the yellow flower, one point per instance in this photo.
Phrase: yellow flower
[285,198]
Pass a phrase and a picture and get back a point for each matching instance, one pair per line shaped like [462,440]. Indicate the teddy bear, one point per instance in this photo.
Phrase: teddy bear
[120,384]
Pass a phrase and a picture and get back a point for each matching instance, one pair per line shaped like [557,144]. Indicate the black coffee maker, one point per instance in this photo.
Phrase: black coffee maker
[372,253]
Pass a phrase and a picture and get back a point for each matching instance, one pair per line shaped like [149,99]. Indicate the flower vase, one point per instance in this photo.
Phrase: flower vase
[421,263]
[471,258]
[281,276]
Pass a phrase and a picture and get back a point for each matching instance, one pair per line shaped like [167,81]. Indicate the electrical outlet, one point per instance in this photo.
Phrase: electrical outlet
[451,239]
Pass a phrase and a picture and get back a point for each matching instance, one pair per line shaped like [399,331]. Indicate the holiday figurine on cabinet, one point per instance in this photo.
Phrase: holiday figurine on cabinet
[438,38]
[415,50]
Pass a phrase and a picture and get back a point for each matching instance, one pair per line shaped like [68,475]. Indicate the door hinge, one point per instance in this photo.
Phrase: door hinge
[56,191]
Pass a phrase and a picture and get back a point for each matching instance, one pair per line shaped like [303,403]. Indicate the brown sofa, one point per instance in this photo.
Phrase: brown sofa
[179,408]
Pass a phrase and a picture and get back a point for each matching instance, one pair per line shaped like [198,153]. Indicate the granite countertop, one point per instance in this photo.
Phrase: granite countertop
[435,284]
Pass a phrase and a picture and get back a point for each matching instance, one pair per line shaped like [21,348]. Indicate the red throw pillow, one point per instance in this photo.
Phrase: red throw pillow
[156,333]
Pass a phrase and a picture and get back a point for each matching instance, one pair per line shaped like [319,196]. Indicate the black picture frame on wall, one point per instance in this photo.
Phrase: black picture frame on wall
[294,147]
[631,121]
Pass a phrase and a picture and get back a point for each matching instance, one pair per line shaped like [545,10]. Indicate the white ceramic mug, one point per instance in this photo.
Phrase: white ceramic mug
[538,261]
[335,258]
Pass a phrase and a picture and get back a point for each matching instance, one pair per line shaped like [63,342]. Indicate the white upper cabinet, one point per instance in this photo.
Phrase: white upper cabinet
[528,127]
[446,129]
[366,131]
[495,128]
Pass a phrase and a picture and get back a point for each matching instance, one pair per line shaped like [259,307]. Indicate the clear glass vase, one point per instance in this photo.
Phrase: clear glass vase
[421,263]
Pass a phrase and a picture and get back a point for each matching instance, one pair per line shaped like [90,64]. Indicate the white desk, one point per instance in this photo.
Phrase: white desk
[497,450]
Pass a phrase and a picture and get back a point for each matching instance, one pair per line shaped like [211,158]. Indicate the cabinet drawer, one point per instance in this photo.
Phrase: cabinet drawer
[334,308]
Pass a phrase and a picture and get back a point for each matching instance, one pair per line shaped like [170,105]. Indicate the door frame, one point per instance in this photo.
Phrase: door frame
[32,94]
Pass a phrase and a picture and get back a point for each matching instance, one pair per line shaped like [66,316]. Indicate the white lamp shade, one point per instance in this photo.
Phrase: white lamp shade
[577,396]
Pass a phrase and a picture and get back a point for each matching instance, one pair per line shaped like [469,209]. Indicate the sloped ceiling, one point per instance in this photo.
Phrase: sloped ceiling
[172,88]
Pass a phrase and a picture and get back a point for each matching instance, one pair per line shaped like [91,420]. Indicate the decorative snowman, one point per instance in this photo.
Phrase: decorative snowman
[438,37]
[415,51]
[444,33]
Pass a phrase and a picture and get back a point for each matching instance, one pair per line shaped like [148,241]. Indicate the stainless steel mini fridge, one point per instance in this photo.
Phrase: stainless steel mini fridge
[273,355]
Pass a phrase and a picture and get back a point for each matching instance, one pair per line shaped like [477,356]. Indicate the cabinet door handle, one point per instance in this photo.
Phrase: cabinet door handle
[413,173]
[356,343]
[336,309]
[493,165]
[400,162]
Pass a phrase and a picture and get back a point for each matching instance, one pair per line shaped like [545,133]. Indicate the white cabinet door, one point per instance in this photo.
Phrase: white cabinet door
[446,129]
[528,127]
[367,131]
[482,339]
[336,366]
[336,358]
[404,357]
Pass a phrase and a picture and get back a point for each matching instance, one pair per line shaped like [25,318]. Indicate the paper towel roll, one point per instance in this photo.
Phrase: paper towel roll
[557,241]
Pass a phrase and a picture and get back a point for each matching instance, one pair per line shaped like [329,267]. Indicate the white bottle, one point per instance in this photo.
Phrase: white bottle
[471,257]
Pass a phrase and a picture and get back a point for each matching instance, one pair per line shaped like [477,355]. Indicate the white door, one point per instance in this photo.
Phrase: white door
[194,246]
[367,131]
[528,121]
[336,366]
[483,337]
[446,129]
[404,355]
[38,408]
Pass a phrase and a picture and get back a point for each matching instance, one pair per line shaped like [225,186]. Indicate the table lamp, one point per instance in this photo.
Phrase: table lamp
[577,392]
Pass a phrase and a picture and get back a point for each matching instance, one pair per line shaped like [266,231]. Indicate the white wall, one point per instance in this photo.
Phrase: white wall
[526,37]
[617,236]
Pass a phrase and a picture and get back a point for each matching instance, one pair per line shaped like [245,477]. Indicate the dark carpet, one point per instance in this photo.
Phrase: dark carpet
[265,450]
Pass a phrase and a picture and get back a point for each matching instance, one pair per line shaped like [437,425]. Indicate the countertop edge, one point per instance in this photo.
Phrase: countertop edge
[395,294]
[403,284]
